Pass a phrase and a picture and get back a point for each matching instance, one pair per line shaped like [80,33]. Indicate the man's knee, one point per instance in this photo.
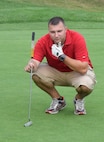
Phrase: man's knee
[83,89]
[39,81]
[35,78]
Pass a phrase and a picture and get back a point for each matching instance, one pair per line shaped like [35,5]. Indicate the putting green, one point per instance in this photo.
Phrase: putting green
[15,44]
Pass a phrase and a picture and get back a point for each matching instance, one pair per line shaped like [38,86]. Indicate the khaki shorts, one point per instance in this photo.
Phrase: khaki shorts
[72,79]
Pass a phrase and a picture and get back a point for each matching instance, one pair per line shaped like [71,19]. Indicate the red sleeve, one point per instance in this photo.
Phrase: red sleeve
[80,48]
[81,52]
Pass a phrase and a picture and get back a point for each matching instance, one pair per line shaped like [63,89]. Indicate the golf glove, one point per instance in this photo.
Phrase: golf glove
[57,50]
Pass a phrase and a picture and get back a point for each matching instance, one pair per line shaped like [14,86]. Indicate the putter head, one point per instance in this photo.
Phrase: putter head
[29,123]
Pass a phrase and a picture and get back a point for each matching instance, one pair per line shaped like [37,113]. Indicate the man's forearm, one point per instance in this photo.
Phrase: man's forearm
[76,65]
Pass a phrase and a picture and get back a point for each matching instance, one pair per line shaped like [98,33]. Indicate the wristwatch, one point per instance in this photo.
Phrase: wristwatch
[62,57]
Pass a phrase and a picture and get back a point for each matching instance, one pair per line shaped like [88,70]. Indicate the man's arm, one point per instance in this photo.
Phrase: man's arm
[76,65]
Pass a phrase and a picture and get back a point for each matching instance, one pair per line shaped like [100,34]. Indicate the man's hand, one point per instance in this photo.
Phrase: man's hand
[29,66]
[57,50]
[32,64]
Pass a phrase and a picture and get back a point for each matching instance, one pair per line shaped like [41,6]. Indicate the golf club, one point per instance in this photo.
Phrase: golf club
[29,123]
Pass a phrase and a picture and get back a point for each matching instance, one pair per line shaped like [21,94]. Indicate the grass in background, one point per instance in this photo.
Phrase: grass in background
[15,44]
[31,11]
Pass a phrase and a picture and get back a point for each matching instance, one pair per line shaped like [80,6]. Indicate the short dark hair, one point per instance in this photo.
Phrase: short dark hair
[56,20]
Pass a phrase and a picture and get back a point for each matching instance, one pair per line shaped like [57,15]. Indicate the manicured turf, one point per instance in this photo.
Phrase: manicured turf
[15,44]
[18,19]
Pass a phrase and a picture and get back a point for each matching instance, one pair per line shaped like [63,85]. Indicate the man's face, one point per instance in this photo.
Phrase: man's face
[57,32]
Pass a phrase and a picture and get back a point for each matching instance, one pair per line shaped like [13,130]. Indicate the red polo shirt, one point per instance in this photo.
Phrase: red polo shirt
[74,47]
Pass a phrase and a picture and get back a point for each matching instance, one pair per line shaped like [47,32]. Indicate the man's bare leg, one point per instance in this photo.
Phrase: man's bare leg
[46,86]
[58,102]
[83,91]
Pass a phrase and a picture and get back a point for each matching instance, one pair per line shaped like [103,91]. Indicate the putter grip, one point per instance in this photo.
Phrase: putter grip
[32,44]
[33,36]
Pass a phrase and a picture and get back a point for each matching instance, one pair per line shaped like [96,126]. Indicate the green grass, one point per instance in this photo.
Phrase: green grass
[65,126]
[25,11]
[15,44]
